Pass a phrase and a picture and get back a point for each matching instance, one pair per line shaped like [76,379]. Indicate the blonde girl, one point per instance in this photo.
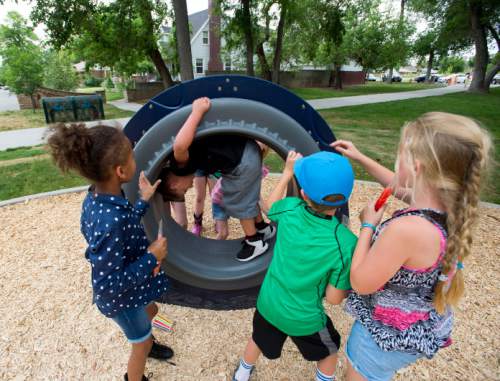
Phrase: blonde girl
[406,273]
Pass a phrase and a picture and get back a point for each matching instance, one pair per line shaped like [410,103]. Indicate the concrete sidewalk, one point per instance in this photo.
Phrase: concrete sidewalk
[124,105]
[35,136]
[321,104]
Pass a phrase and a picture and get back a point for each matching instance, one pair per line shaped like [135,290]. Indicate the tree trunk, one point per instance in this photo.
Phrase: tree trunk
[279,45]
[248,36]
[429,66]
[157,59]
[389,77]
[264,66]
[153,51]
[481,59]
[331,79]
[490,75]
[338,76]
[183,39]
[33,102]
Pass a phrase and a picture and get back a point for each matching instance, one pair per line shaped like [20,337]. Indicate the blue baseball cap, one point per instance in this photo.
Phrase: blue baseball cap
[326,178]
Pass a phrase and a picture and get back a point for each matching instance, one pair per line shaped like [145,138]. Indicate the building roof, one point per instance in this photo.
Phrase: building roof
[196,21]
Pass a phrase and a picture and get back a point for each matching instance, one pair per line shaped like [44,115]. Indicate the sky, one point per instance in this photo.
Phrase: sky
[24,8]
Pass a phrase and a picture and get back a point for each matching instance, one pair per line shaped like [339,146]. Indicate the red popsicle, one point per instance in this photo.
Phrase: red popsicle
[383,198]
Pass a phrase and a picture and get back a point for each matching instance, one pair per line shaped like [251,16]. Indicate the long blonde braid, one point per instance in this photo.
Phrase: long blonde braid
[454,152]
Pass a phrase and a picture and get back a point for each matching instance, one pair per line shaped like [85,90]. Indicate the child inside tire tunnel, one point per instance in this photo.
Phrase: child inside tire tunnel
[238,159]
[121,257]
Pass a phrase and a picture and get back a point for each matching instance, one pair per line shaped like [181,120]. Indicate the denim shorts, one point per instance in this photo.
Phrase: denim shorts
[135,324]
[369,360]
[218,212]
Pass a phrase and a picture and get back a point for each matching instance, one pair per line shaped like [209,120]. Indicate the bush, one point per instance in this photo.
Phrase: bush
[108,83]
[92,81]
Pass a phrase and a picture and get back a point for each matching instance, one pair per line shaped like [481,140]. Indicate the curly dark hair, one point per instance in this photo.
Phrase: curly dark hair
[92,152]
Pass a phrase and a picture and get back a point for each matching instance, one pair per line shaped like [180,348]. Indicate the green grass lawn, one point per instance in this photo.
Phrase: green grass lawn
[34,177]
[14,120]
[368,88]
[111,94]
[22,152]
[374,128]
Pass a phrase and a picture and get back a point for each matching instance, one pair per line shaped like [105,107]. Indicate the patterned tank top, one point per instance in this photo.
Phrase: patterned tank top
[401,315]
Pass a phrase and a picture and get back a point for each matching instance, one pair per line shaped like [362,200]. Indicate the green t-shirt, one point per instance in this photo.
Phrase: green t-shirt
[311,252]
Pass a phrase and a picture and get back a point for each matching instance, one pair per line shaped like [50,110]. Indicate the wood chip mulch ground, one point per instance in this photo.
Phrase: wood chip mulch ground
[49,329]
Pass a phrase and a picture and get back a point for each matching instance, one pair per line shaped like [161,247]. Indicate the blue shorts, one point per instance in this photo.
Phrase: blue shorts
[369,360]
[218,212]
[135,324]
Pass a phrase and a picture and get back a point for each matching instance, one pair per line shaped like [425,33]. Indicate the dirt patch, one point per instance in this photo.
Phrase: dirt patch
[49,330]
[6,163]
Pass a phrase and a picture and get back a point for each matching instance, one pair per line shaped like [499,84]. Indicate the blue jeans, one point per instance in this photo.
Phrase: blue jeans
[369,360]
[135,324]
[218,212]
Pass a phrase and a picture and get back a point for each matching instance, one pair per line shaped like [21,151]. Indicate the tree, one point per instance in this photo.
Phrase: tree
[397,47]
[118,33]
[426,46]
[474,21]
[58,71]
[183,39]
[330,49]
[22,68]
[252,22]
[365,36]
[240,23]
[246,23]
[451,64]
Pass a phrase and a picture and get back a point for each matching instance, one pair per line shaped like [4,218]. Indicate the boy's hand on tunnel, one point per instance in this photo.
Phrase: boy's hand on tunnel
[146,189]
[290,162]
[159,249]
[347,148]
[201,105]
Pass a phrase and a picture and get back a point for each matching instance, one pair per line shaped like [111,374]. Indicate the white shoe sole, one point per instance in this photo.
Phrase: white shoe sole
[256,253]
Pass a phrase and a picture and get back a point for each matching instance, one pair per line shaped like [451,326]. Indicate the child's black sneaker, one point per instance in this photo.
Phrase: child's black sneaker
[269,232]
[160,351]
[252,248]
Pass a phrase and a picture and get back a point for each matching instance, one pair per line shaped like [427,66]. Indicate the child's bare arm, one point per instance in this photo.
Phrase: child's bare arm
[381,174]
[334,295]
[185,136]
[279,191]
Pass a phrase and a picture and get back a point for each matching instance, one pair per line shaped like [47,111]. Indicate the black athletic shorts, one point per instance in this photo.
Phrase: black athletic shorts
[315,347]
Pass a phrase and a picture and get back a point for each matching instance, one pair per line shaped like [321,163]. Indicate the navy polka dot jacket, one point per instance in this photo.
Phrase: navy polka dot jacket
[122,267]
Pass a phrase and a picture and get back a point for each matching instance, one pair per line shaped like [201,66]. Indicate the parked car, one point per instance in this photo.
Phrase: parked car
[496,79]
[461,78]
[421,78]
[396,77]
[444,79]
[370,78]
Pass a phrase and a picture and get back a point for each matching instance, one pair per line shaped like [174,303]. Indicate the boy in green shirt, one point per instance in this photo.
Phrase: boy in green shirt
[311,261]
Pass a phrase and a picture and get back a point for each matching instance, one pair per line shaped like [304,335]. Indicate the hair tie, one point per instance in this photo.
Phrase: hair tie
[460,266]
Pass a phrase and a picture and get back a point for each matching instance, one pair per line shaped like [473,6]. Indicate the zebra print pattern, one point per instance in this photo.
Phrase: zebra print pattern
[407,291]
